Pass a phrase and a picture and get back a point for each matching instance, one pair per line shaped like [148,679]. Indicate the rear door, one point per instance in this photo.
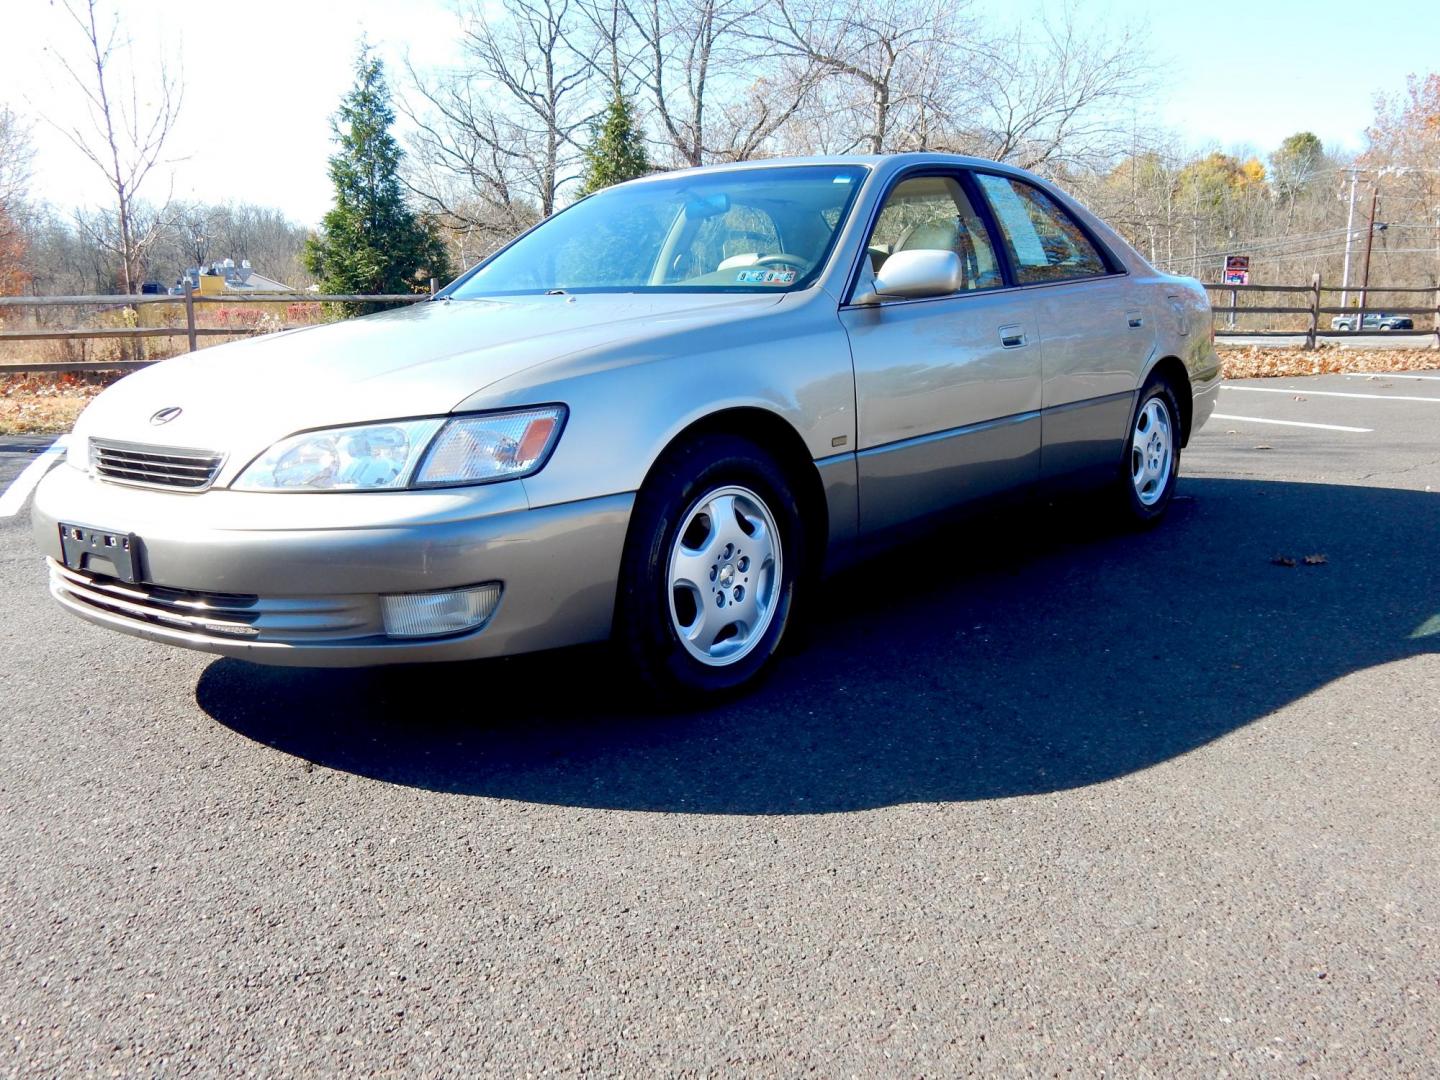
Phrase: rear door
[1096,326]
[947,388]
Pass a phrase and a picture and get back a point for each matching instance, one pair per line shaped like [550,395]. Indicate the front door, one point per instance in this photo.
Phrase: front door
[947,388]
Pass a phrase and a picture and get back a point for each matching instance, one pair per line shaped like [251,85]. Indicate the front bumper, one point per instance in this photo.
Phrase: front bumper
[303,573]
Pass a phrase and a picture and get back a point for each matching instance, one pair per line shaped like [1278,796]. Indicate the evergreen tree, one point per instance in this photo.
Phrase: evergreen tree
[371,241]
[617,148]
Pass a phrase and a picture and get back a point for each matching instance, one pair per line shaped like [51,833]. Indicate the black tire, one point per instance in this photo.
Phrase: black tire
[644,628]
[1135,509]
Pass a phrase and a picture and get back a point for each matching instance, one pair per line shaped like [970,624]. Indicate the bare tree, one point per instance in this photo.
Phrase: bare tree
[15,155]
[200,234]
[125,137]
[14,181]
[603,41]
[523,61]
[887,65]
[717,92]
[195,228]
[1059,96]
[469,163]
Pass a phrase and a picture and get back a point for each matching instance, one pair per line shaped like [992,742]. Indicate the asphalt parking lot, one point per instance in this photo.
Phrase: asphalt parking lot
[1034,796]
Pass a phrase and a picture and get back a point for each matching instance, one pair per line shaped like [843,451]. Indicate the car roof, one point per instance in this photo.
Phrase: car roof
[877,162]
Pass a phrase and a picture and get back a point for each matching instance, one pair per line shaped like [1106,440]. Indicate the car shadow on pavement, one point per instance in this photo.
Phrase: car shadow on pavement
[1008,655]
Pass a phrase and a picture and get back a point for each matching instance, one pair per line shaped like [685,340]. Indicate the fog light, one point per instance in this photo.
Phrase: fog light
[416,615]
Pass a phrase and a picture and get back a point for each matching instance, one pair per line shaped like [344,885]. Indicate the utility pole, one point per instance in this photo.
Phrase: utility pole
[1369,243]
[1349,239]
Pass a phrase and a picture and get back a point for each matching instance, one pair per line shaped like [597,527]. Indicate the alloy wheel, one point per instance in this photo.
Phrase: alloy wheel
[1152,452]
[724,575]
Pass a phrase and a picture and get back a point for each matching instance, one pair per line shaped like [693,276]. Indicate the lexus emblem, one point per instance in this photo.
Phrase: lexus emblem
[164,416]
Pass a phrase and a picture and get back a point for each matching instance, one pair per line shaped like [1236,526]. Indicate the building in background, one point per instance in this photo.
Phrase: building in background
[226,277]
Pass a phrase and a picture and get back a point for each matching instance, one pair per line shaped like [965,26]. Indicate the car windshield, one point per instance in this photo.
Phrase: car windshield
[751,230]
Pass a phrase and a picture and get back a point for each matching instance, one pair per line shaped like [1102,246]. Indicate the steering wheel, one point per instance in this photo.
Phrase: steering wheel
[781,259]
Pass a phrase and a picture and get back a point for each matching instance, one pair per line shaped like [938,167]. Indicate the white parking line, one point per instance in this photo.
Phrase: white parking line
[1324,393]
[14,498]
[1372,378]
[1291,423]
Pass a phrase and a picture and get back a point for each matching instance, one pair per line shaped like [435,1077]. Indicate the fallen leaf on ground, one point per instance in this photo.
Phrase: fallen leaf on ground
[1254,361]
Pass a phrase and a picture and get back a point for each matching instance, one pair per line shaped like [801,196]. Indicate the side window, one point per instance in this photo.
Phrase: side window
[1045,242]
[933,213]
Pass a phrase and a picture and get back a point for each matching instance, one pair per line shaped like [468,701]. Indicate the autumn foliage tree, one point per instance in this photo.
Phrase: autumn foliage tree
[1403,157]
[1406,131]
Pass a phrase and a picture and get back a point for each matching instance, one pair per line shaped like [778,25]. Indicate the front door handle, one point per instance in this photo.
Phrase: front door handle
[1012,336]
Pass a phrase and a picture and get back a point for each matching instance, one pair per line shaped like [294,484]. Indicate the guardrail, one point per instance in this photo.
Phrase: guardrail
[1313,310]
[191,331]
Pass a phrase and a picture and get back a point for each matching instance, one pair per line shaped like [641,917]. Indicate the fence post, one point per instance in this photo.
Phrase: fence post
[1310,338]
[190,313]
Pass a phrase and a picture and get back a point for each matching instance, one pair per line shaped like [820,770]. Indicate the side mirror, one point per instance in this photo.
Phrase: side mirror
[913,274]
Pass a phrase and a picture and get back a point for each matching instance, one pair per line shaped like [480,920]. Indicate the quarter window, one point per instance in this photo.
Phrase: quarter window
[1044,241]
[933,213]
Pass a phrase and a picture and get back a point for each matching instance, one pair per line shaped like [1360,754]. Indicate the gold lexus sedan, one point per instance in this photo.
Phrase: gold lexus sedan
[658,416]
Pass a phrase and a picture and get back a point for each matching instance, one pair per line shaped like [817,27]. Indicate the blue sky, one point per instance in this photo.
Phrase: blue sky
[263,77]
[1250,72]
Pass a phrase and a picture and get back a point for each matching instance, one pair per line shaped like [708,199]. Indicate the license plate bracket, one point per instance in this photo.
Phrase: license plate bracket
[101,551]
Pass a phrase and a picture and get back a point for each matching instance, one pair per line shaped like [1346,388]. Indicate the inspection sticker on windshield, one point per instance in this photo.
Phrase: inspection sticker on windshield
[765,277]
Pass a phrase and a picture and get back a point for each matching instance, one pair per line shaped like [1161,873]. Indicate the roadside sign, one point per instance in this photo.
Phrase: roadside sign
[1237,270]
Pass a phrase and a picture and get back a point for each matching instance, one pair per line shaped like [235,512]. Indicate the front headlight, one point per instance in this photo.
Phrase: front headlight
[496,446]
[397,454]
[369,457]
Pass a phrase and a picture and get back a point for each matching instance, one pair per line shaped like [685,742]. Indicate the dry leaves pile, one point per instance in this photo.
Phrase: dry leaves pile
[46,404]
[1262,362]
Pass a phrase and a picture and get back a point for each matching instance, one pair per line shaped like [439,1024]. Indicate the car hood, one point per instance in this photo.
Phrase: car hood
[421,360]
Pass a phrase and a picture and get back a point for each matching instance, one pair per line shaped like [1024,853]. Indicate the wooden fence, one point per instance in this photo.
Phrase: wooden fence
[192,332]
[1313,310]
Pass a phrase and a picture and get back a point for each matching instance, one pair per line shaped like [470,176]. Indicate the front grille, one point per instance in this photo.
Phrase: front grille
[154,466]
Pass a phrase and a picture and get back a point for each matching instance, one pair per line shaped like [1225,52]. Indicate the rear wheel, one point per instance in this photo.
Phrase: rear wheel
[709,575]
[1152,455]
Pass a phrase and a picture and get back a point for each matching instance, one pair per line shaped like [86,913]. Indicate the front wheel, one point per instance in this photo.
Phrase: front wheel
[1152,455]
[708,579]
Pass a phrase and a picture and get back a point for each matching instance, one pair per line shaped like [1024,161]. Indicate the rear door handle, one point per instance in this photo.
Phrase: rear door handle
[1012,336]
[1135,319]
